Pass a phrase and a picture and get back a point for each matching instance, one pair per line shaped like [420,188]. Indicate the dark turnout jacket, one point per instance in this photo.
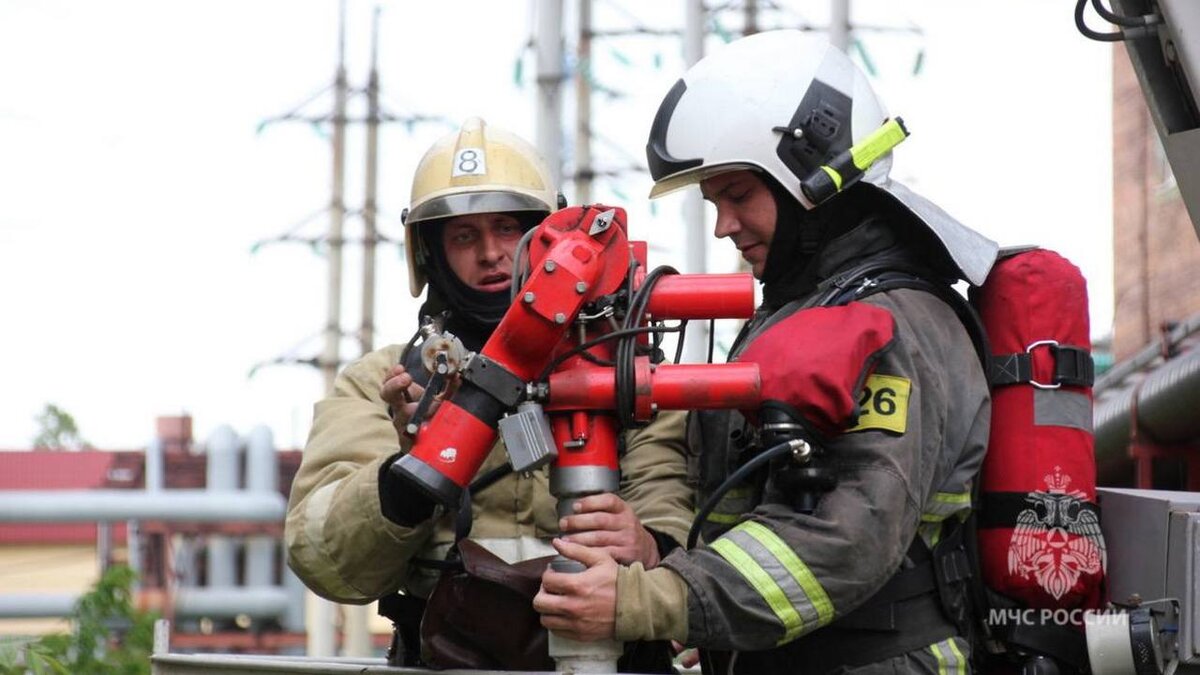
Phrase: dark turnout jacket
[768,575]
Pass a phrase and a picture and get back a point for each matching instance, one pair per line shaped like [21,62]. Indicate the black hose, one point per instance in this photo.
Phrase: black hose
[408,348]
[1142,29]
[712,338]
[581,348]
[521,253]
[1122,20]
[627,348]
[679,343]
[734,478]
[1088,32]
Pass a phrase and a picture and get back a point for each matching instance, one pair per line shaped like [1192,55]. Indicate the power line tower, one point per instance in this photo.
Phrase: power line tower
[320,613]
[334,241]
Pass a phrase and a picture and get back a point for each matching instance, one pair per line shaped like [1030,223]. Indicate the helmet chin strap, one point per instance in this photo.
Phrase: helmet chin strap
[791,266]
[800,237]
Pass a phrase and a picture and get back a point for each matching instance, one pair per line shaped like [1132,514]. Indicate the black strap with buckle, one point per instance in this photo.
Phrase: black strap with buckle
[1073,367]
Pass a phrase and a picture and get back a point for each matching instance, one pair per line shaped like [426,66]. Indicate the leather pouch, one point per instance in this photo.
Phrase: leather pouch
[482,615]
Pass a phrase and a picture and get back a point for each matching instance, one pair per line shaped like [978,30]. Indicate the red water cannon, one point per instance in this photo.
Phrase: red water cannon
[574,362]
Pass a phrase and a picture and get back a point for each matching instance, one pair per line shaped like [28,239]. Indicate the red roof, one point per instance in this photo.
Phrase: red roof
[55,470]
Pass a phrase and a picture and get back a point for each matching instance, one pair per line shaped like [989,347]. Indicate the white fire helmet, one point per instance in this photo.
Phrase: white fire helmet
[788,104]
[477,169]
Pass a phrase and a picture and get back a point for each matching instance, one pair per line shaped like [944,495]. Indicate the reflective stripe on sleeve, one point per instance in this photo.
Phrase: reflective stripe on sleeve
[774,570]
[733,506]
[931,533]
[945,504]
[949,658]
[766,587]
[942,506]
[723,518]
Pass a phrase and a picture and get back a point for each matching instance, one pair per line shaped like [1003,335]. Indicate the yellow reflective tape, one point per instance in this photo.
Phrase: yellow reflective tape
[877,144]
[941,660]
[883,404]
[962,498]
[764,584]
[723,517]
[931,533]
[947,504]
[792,562]
[837,177]
[961,666]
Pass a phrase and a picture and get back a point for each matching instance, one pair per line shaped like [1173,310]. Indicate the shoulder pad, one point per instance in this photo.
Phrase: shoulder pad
[817,360]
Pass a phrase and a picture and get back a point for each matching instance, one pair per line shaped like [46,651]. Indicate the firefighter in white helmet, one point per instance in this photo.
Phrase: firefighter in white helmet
[356,533]
[824,512]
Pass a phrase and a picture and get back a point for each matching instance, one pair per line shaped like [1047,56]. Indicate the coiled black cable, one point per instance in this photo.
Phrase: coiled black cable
[1142,28]
[736,477]
[1121,19]
[581,349]
[627,348]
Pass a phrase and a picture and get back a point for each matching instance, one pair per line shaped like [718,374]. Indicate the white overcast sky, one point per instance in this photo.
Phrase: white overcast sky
[134,180]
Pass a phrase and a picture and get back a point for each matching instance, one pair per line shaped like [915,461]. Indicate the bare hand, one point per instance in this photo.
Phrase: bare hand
[606,522]
[686,657]
[580,606]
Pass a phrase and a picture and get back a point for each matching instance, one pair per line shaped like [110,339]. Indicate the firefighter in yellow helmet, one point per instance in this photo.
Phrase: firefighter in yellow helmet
[475,192]
[355,532]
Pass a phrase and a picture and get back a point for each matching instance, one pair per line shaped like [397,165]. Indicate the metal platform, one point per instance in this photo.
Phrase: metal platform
[206,664]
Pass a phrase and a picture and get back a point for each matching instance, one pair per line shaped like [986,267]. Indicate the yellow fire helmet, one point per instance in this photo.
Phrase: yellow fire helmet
[477,169]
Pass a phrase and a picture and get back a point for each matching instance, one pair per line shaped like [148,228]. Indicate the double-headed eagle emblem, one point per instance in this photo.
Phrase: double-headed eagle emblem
[1057,539]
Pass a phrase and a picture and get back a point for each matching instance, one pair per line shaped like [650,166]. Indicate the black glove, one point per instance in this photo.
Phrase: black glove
[400,501]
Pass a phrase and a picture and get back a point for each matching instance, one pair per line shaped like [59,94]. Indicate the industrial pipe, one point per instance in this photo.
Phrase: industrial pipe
[262,477]
[155,465]
[90,506]
[253,601]
[1167,401]
[222,475]
[222,603]
[1148,354]
[37,605]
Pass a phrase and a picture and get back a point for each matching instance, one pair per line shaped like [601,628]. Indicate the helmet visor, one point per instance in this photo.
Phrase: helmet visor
[469,203]
[680,180]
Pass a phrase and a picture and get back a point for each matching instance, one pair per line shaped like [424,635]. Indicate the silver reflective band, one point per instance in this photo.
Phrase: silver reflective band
[1062,408]
[472,203]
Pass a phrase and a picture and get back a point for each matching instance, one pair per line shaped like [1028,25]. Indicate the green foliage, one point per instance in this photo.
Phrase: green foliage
[108,636]
[57,430]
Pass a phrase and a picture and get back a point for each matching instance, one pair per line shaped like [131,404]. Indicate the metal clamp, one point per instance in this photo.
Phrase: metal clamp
[493,378]
[1053,344]
[801,450]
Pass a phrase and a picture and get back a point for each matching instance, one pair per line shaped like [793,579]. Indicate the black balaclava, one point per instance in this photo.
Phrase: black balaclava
[800,235]
[473,314]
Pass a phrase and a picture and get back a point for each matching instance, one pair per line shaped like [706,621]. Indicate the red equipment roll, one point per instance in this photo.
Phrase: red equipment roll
[1039,537]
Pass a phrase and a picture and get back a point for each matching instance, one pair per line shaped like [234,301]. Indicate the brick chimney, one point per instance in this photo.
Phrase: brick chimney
[175,432]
